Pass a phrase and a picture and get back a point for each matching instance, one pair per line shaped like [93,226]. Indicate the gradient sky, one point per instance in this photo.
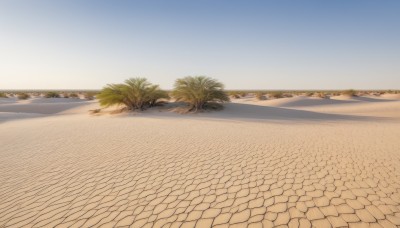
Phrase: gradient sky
[277,44]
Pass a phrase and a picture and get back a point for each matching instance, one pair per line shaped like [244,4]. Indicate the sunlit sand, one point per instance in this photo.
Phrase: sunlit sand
[299,161]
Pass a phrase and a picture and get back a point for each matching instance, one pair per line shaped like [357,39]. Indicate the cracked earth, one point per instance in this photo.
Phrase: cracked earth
[81,171]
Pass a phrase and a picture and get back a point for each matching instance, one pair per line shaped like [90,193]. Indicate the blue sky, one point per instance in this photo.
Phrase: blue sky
[277,44]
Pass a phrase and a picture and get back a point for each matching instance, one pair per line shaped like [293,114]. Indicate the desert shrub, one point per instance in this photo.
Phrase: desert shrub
[309,94]
[234,94]
[135,94]
[23,96]
[237,94]
[392,92]
[52,95]
[260,96]
[65,95]
[197,91]
[349,92]
[89,95]
[73,95]
[322,95]
[242,94]
[3,95]
[276,94]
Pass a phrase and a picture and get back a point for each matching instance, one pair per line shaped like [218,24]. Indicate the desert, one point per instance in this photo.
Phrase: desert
[298,161]
[199,114]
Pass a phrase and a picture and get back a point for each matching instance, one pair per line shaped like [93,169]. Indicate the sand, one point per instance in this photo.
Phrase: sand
[276,163]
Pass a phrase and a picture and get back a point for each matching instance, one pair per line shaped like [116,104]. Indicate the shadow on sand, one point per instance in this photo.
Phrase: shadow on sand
[256,112]
[9,112]
[249,112]
[370,99]
[231,112]
[316,102]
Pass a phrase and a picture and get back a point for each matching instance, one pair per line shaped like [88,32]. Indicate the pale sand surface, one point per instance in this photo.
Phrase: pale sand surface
[286,162]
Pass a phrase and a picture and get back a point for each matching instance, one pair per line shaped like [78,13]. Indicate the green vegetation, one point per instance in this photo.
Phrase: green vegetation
[135,94]
[23,96]
[52,95]
[238,93]
[322,95]
[349,92]
[3,95]
[243,94]
[276,94]
[89,95]
[234,94]
[392,92]
[260,96]
[73,95]
[198,91]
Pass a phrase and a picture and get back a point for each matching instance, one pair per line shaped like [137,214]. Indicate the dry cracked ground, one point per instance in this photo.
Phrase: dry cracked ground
[81,171]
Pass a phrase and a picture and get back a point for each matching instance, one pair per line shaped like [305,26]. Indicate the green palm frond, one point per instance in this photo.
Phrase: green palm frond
[135,93]
[199,90]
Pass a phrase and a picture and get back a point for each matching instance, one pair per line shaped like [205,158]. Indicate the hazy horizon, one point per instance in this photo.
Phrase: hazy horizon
[252,45]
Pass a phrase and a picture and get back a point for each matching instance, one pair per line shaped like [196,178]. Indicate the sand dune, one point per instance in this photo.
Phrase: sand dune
[390,96]
[302,101]
[8,100]
[351,108]
[257,113]
[6,116]
[55,100]
[42,105]
[286,162]
[381,109]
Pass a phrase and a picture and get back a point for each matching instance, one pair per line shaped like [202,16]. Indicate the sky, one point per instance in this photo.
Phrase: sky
[248,44]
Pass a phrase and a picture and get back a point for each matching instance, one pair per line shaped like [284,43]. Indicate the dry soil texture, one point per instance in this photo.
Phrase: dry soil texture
[76,170]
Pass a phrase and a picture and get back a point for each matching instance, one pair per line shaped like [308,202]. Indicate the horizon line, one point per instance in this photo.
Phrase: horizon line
[39,90]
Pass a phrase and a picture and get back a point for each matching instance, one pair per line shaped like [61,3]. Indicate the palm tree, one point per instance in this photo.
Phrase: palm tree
[198,91]
[134,93]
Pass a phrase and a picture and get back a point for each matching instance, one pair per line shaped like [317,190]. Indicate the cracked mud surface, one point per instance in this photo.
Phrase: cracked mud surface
[146,172]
